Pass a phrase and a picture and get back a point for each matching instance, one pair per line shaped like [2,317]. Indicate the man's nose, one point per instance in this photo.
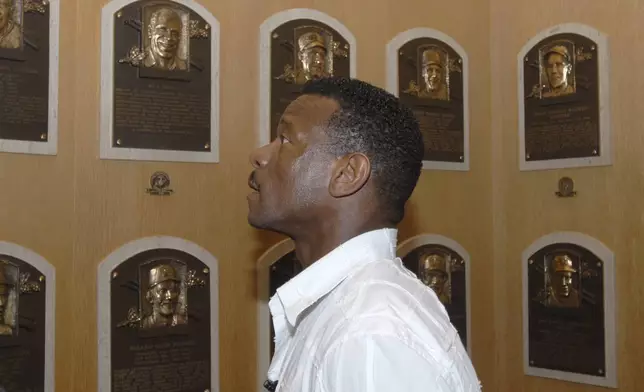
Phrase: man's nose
[260,156]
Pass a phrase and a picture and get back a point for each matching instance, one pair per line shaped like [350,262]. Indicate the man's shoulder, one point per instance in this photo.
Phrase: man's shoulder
[390,287]
[403,353]
[385,299]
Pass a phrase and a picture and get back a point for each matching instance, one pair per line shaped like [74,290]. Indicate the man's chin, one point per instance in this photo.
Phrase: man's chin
[261,222]
[256,221]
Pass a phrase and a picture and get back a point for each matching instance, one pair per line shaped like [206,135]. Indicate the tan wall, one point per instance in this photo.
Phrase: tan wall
[608,205]
[74,209]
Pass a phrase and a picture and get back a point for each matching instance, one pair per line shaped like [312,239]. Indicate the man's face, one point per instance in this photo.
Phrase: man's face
[557,69]
[164,297]
[432,74]
[165,35]
[292,173]
[313,61]
[5,13]
[435,280]
[563,283]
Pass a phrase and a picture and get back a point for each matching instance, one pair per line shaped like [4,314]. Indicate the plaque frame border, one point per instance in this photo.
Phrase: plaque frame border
[103,297]
[49,271]
[265,42]
[608,258]
[603,69]
[50,146]
[264,263]
[414,242]
[391,58]
[107,151]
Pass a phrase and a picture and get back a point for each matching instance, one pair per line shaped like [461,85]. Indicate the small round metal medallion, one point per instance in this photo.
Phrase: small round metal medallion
[159,181]
[566,187]
[160,184]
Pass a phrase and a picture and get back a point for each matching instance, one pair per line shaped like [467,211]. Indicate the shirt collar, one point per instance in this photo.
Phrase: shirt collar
[296,295]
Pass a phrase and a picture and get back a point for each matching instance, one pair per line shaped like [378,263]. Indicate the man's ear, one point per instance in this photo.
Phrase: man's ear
[350,173]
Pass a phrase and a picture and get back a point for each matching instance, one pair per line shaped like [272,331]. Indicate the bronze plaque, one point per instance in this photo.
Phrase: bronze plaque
[302,50]
[162,79]
[24,70]
[22,326]
[160,309]
[430,80]
[566,310]
[443,270]
[561,103]
[281,272]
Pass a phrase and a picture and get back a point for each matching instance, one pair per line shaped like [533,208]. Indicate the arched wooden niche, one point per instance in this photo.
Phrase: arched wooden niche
[443,265]
[569,309]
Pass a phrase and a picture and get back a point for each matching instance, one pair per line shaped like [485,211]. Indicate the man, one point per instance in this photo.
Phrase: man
[433,71]
[164,31]
[7,284]
[433,273]
[311,53]
[10,35]
[558,71]
[336,180]
[312,56]
[562,293]
[163,295]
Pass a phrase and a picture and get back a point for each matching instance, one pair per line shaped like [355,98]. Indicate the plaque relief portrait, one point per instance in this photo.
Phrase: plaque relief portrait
[434,271]
[427,71]
[433,81]
[160,307]
[10,24]
[302,50]
[8,297]
[563,86]
[22,326]
[165,300]
[444,271]
[25,80]
[561,288]
[166,45]
[557,65]
[314,56]
[566,310]
[162,74]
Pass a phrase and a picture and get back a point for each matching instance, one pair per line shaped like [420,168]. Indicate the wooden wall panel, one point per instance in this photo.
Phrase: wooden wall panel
[608,204]
[74,209]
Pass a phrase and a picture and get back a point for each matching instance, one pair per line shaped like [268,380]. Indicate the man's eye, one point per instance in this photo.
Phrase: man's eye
[284,139]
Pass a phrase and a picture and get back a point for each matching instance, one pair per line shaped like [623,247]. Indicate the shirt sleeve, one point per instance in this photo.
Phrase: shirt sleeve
[376,363]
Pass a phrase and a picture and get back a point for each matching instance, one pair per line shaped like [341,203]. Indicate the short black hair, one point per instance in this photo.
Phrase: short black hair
[374,122]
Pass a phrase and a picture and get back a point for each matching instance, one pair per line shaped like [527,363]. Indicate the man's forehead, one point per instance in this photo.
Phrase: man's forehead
[165,17]
[310,108]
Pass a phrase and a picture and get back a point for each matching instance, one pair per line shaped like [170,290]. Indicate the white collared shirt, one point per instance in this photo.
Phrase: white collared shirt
[358,321]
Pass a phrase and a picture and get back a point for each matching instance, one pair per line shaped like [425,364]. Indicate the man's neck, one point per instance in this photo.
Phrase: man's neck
[312,245]
[161,319]
[161,61]
[561,87]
